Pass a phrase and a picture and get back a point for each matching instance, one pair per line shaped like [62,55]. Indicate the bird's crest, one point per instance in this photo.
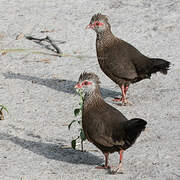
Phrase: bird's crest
[89,76]
[98,17]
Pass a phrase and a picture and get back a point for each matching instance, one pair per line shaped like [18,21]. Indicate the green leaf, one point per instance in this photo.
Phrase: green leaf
[80,104]
[69,126]
[76,111]
[73,144]
[82,135]
[3,107]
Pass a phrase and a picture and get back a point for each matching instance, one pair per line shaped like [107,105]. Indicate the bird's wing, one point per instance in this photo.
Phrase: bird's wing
[107,127]
[116,62]
[126,61]
[141,62]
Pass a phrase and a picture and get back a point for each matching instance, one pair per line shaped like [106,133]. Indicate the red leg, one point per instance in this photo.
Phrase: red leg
[124,99]
[106,162]
[120,156]
[126,89]
[123,93]
[119,168]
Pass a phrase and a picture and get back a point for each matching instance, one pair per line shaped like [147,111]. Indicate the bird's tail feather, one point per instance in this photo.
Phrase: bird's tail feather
[133,129]
[160,65]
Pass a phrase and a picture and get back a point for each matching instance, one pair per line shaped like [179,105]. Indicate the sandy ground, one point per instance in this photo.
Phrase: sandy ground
[40,96]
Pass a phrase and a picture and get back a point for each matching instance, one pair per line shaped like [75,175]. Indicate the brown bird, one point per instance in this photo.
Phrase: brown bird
[119,60]
[103,125]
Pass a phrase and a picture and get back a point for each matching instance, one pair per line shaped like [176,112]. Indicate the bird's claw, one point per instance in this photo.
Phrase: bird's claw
[102,167]
[116,99]
[126,103]
[117,170]
[123,102]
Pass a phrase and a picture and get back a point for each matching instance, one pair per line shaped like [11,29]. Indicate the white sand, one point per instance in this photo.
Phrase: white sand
[40,103]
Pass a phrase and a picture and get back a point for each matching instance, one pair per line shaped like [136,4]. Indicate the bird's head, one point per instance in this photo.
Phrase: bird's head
[88,83]
[99,23]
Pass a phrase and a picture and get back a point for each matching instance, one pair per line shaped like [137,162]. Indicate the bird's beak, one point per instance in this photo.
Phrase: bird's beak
[90,26]
[78,86]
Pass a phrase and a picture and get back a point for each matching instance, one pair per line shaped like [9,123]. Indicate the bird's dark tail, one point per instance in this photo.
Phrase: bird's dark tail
[133,129]
[160,65]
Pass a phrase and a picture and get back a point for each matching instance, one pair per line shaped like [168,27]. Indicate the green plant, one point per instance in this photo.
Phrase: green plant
[78,115]
[1,111]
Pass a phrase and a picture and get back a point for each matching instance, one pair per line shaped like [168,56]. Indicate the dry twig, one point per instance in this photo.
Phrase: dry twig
[47,39]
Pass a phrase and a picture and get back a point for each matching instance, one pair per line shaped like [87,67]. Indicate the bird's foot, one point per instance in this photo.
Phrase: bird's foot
[102,167]
[116,170]
[116,99]
[125,102]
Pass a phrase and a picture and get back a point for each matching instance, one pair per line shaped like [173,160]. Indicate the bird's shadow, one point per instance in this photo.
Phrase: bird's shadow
[54,151]
[63,85]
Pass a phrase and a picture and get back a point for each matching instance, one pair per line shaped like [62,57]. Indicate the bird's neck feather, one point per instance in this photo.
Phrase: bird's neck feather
[92,99]
[104,38]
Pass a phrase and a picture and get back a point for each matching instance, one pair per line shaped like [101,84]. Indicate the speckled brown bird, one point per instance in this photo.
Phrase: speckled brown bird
[119,60]
[104,126]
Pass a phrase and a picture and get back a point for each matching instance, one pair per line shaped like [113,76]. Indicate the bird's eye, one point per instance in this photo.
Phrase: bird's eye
[86,83]
[97,23]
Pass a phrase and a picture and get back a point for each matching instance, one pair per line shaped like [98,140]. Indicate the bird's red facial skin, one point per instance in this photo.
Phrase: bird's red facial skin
[78,86]
[96,23]
[85,83]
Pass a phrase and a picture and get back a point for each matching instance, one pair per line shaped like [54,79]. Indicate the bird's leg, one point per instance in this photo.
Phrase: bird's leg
[119,169]
[104,166]
[124,99]
[126,89]
[123,92]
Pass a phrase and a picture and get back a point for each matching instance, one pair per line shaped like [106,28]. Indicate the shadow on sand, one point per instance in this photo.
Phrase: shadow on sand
[64,85]
[54,151]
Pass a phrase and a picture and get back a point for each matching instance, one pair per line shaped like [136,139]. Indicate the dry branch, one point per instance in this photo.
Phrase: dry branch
[47,39]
